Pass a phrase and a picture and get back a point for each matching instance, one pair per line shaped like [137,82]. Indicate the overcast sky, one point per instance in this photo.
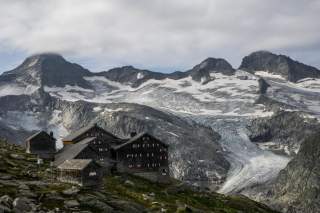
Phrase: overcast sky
[161,35]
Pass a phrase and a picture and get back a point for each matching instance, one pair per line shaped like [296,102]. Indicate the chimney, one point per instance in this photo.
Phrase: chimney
[51,134]
[132,134]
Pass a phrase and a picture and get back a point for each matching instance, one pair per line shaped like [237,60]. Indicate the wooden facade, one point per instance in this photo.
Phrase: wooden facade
[81,150]
[101,147]
[143,154]
[84,173]
[90,131]
[42,144]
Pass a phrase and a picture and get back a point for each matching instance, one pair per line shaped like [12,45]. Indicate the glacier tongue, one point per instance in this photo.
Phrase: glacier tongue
[249,164]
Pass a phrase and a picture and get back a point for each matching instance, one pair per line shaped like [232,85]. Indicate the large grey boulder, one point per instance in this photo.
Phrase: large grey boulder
[71,203]
[71,191]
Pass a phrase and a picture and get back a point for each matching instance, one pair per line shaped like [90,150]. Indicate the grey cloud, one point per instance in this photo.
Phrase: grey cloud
[161,33]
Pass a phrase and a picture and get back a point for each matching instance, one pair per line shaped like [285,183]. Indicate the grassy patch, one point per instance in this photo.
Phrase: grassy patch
[206,202]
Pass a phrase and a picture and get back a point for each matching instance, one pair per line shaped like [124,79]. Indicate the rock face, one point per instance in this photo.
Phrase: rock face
[131,75]
[47,70]
[201,72]
[263,86]
[284,131]
[297,188]
[279,65]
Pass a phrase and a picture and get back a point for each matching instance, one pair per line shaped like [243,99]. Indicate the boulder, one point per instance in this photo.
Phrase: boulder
[129,183]
[5,177]
[22,204]
[28,193]
[127,206]
[4,209]
[71,204]
[23,186]
[6,201]
[97,204]
[72,191]
[16,156]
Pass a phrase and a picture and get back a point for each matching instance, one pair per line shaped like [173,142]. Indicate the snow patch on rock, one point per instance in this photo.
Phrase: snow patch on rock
[16,89]
[140,75]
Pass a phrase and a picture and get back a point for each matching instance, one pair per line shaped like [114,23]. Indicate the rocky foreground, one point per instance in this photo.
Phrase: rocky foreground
[26,187]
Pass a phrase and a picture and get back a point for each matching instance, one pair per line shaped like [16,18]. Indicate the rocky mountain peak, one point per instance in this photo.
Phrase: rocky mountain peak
[215,63]
[48,69]
[279,65]
[201,72]
[131,75]
[39,59]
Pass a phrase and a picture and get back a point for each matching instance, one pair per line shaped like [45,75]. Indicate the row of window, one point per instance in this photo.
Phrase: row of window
[145,145]
[103,149]
[148,165]
[148,155]
[94,134]
[99,142]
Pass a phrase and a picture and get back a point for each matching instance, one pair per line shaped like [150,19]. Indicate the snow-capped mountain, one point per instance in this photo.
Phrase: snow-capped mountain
[212,115]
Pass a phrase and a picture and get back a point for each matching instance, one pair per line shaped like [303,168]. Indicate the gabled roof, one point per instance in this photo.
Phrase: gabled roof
[39,133]
[71,151]
[86,140]
[136,137]
[76,164]
[83,130]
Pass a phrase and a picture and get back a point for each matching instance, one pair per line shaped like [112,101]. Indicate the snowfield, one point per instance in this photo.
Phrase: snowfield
[16,89]
[229,95]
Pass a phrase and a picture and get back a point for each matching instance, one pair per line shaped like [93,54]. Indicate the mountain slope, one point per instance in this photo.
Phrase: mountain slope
[207,168]
[297,187]
[283,132]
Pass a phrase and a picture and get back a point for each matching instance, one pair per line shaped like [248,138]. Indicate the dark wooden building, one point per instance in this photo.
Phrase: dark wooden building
[90,131]
[84,172]
[80,150]
[42,144]
[143,155]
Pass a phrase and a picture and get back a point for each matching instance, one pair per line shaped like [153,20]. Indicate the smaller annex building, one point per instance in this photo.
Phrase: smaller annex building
[41,144]
[83,172]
